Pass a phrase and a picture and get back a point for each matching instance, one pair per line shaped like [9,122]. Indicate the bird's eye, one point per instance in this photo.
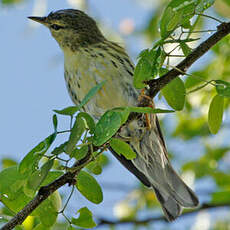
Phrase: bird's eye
[56,27]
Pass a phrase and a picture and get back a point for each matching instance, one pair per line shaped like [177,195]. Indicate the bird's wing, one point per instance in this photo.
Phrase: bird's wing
[153,168]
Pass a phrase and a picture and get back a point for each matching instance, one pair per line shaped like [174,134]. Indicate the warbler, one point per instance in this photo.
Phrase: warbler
[90,59]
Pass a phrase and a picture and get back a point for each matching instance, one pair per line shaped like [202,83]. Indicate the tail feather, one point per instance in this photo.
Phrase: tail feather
[153,167]
[183,194]
[169,206]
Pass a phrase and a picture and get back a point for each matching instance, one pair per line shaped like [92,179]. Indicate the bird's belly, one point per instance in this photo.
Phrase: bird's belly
[114,93]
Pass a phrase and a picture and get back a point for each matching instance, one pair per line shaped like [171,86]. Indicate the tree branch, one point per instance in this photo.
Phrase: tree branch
[45,192]
[157,84]
[102,221]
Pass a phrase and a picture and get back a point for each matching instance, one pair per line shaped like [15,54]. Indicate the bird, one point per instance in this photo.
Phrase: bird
[90,58]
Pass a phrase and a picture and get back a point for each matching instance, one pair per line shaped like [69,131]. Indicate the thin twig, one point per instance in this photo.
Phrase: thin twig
[103,221]
[65,205]
[213,18]
[157,84]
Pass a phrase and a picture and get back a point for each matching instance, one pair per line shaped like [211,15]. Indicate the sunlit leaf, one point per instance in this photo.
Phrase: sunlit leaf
[174,93]
[47,211]
[69,111]
[142,72]
[80,153]
[11,181]
[89,120]
[75,135]
[223,88]
[215,113]
[89,188]
[85,220]
[59,149]
[8,162]
[106,127]
[185,48]
[41,227]
[122,148]
[52,175]
[203,5]
[91,93]
[123,112]
[39,176]
[16,202]
[30,161]
[94,167]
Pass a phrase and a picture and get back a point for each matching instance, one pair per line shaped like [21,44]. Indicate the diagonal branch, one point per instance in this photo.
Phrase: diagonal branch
[155,86]
[102,221]
[45,192]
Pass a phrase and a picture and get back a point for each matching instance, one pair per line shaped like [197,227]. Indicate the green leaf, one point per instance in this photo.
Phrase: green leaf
[103,160]
[75,135]
[30,161]
[203,5]
[175,20]
[148,110]
[36,179]
[11,181]
[41,227]
[60,149]
[223,88]
[11,185]
[176,14]
[72,228]
[221,197]
[185,48]
[165,19]
[47,211]
[106,127]
[94,167]
[55,122]
[85,220]
[16,202]
[215,114]
[221,179]
[89,188]
[227,2]
[69,111]
[9,2]
[52,175]
[79,154]
[8,162]
[89,121]
[142,72]
[123,112]
[122,148]
[91,93]
[174,93]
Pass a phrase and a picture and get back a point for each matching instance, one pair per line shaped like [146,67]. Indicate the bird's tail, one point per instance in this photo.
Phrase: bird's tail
[178,195]
[153,167]
[152,161]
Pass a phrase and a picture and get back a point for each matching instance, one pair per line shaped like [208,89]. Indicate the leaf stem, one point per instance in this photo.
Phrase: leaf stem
[64,207]
[208,16]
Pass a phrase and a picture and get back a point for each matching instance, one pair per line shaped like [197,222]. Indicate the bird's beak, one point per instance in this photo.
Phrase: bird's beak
[42,20]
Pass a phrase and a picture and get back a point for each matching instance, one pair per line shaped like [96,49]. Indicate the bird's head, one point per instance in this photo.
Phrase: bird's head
[71,28]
